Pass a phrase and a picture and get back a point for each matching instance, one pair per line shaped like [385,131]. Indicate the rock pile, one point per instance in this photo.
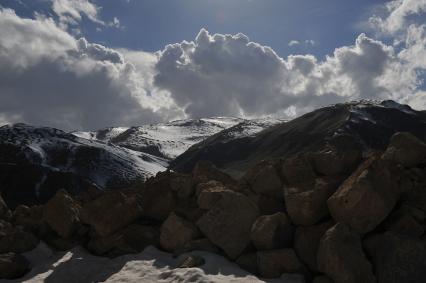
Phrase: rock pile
[334,215]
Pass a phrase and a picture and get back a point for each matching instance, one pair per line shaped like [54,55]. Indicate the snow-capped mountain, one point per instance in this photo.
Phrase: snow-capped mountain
[37,161]
[369,123]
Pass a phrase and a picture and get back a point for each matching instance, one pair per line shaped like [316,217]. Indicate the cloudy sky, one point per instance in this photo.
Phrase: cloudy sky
[88,64]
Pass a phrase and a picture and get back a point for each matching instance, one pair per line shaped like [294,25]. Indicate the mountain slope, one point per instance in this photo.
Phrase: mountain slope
[369,123]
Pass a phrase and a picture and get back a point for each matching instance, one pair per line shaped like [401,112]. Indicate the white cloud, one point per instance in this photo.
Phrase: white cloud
[49,78]
[70,12]
[293,43]
[309,42]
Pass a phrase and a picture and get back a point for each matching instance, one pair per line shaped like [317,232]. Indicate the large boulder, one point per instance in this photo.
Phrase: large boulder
[341,257]
[397,258]
[406,221]
[405,149]
[298,172]
[202,244]
[15,239]
[306,242]
[264,179]
[13,266]
[30,218]
[209,194]
[365,199]
[111,212]
[273,263]
[176,232]
[229,222]
[62,214]
[132,239]
[272,232]
[307,206]
[205,171]
[248,262]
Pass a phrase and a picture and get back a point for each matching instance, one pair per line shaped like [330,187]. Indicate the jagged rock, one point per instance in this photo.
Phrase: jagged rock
[203,244]
[365,199]
[111,212]
[158,200]
[229,222]
[306,242]
[298,172]
[189,261]
[405,149]
[176,232]
[4,210]
[341,257]
[31,218]
[322,279]
[62,214]
[402,221]
[209,194]
[205,171]
[248,262]
[15,239]
[13,266]
[132,239]
[272,232]
[273,263]
[264,179]
[397,258]
[307,207]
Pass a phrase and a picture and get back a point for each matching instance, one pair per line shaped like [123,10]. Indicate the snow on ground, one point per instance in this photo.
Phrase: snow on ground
[152,265]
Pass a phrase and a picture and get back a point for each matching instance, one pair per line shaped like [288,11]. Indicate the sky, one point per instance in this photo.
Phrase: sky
[89,64]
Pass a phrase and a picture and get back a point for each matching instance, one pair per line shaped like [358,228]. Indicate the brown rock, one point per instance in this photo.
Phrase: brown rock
[268,205]
[203,244]
[209,194]
[331,162]
[62,214]
[307,207]
[111,212]
[298,172]
[365,199]
[248,262]
[189,261]
[341,257]
[273,263]
[132,239]
[183,186]
[229,222]
[264,179]
[30,218]
[405,149]
[306,242]
[176,232]
[15,239]
[4,210]
[397,258]
[322,279]
[272,232]
[13,266]
[403,222]
[205,171]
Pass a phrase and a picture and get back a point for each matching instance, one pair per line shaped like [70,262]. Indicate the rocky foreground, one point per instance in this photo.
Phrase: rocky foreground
[338,214]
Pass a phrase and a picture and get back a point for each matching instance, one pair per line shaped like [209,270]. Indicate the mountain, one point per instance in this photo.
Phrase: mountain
[37,161]
[369,123]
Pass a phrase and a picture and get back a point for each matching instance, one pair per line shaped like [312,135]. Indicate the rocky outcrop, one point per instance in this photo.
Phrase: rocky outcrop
[264,179]
[176,232]
[15,239]
[341,257]
[405,149]
[13,266]
[272,232]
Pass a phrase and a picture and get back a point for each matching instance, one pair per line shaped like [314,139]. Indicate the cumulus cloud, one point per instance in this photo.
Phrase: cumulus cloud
[72,11]
[293,43]
[49,78]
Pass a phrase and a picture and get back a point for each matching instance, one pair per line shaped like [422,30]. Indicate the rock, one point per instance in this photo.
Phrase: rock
[331,162]
[15,239]
[264,179]
[203,244]
[272,232]
[209,194]
[176,232]
[403,222]
[183,186]
[268,205]
[248,262]
[322,279]
[397,258]
[205,171]
[405,149]
[111,212]
[13,266]
[132,239]
[30,218]
[228,223]
[307,207]
[189,261]
[341,257]
[298,172]
[62,214]
[306,242]
[365,199]
[273,263]
[4,210]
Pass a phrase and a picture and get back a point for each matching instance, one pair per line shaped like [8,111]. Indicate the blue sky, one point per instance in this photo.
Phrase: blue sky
[88,64]
[151,24]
